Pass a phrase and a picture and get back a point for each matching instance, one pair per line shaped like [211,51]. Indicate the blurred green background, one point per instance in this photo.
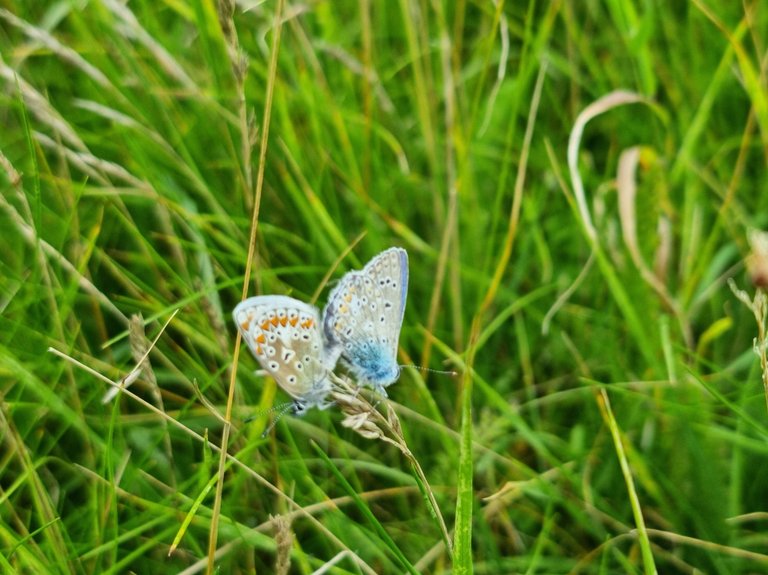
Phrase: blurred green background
[587,334]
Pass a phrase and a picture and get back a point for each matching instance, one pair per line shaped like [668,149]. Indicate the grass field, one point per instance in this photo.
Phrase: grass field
[575,184]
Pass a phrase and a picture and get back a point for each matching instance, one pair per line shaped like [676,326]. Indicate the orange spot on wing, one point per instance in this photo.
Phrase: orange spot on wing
[260,338]
[283,321]
[275,321]
[265,325]
[245,325]
[293,321]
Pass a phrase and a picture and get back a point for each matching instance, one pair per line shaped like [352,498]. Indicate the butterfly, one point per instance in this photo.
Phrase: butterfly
[285,337]
[363,317]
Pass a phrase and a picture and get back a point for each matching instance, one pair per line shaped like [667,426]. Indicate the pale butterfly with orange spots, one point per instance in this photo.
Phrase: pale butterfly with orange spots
[284,336]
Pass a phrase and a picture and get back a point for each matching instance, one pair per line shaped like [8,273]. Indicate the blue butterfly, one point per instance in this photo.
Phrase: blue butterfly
[363,317]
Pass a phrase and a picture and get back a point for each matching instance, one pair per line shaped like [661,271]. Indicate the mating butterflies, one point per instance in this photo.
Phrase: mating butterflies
[361,323]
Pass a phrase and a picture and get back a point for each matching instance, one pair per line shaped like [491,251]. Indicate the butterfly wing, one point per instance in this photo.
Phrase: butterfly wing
[364,316]
[284,336]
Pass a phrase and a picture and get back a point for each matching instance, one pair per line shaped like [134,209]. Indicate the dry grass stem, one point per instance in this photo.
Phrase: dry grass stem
[284,543]
[364,418]
[757,266]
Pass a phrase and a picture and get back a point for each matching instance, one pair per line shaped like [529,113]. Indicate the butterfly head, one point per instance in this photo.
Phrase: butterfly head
[298,407]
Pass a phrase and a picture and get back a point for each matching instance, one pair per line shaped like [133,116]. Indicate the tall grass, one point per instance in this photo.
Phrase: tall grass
[608,415]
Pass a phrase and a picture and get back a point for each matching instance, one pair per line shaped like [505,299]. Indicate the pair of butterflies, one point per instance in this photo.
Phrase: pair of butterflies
[360,325]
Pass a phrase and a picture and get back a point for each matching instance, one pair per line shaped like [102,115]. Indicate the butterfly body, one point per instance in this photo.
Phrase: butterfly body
[284,336]
[363,317]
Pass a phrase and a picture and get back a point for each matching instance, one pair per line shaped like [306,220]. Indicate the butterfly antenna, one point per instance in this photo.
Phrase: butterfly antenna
[263,412]
[283,410]
[429,370]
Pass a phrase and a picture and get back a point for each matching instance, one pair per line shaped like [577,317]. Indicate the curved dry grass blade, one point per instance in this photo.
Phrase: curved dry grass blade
[626,184]
[600,106]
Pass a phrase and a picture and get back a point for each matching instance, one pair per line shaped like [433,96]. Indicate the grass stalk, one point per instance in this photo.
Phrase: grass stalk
[251,252]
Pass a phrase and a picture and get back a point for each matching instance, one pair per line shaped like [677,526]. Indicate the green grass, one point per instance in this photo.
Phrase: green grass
[608,415]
